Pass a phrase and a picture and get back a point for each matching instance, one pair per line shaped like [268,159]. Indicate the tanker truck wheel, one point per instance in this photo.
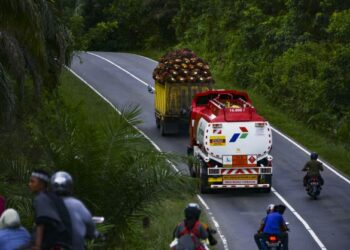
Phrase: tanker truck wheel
[203,178]
[193,166]
[269,181]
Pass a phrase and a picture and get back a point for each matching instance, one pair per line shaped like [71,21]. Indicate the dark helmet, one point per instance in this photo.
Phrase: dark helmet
[192,211]
[313,156]
[279,208]
[270,208]
[62,183]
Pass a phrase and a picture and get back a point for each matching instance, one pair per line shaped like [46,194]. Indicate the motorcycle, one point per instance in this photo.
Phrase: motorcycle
[273,242]
[313,187]
[205,243]
[173,244]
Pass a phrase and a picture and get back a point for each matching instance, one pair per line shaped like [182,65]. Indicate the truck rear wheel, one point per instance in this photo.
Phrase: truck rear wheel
[266,190]
[269,181]
[162,127]
[158,122]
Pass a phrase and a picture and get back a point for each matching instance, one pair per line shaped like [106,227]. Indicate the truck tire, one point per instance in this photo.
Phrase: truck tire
[203,178]
[191,163]
[193,167]
[269,181]
[266,190]
[158,122]
[162,127]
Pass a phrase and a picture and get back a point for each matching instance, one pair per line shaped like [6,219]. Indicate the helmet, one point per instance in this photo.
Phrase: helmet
[313,156]
[62,183]
[270,208]
[192,211]
[280,208]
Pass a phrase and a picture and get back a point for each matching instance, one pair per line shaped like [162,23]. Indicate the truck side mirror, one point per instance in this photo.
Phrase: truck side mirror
[150,89]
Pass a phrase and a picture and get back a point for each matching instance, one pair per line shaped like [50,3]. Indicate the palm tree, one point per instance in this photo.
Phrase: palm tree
[33,42]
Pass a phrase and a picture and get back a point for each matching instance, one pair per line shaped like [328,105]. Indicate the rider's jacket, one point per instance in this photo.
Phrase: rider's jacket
[313,167]
[273,223]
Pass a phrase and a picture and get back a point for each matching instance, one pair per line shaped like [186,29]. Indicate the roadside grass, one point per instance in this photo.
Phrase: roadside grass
[162,224]
[165,215]
[151,53]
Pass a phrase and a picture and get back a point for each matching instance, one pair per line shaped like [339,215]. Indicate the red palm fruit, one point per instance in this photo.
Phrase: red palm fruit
[177,66]
[184,65]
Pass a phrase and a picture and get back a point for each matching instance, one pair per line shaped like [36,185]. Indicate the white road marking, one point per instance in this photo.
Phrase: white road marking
[216,224]
[307,227]
[308,153]
[122,69]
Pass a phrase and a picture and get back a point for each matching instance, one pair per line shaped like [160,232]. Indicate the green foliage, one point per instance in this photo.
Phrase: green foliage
[293,52]
[339,26]
[121,25]
[34,44]
[116,172]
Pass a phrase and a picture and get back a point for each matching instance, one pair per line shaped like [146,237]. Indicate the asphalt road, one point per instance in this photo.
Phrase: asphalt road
[237,213]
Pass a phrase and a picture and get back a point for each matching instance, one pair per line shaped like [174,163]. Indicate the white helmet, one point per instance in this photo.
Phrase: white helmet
[270,208]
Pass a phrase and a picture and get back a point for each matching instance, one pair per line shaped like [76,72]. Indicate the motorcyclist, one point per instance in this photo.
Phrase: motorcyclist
[191,231]
[274,224]
[259,235]
[81,220]
[313,168]
[12,234]
[47,220]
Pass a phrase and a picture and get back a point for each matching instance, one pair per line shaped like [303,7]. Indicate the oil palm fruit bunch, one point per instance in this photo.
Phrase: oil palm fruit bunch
[182,66]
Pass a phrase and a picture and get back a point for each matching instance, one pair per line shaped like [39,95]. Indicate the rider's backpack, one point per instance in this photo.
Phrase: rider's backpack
[188,236]
[61,233]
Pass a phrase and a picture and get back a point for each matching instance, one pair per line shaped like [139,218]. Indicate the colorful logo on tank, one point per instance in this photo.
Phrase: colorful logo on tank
[242,135]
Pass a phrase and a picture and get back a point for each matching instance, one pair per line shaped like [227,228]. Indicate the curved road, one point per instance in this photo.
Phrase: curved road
[322,224]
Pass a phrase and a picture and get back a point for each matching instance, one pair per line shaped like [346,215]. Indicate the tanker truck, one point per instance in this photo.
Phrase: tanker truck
[230,143]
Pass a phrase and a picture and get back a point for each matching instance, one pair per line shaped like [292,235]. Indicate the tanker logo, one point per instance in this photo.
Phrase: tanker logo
[242,135]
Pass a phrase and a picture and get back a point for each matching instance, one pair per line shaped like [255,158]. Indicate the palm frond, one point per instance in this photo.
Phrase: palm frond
[7,98]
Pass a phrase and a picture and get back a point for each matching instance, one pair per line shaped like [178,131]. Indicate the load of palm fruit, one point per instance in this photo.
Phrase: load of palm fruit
[182,66]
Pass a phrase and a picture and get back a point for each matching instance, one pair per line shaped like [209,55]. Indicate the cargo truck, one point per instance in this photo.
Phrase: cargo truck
[172,104]
[230,143]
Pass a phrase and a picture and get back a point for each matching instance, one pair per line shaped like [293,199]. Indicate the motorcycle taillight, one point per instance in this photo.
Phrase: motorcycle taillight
[272,238]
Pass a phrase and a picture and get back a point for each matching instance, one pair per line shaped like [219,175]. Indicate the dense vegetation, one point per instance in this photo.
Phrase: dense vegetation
[45,125]
[295,52]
